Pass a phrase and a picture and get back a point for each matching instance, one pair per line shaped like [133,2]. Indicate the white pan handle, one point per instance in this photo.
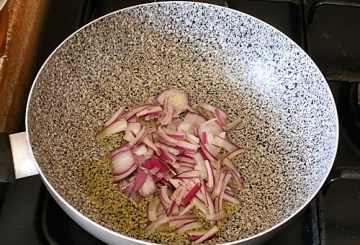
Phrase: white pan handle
[16,160]
[24,163]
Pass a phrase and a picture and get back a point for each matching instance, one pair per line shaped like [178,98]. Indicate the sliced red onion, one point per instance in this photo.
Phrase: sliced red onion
[233,171]
[136,184]
[188,165]
[138,139]
[118,150]
[179,152]
[186,200]
[189,226]
[152,145]
[148,188]
[134,127]
[114,128]
[235,153]
[132,119]
[176,210]
[181,195]
[187,147]
[155,162]
[226,144]
[176,192]
[218,184]
[182,217]
[200,166]
[116,116]
[194,235]
[220,117]
[128,136]
[213,150]
[120,177]
[175,183]
[211,207]
[187,209]
[167,138]
[187,175]
[184,169]
[211,127]
[194,119]
[164,198]
[151,228]
[174,134]
[200,205]
[189,158]
[206,153]
[229,190]
[151,110]
[191,138]
[140,150]
[176,97]
[169,158]
[132,111]
[232,199]
[122,161]
[185,127]
[217,216]
[207,235]
[233,124]
[175,224]
[210,174]
[167,148]
[212,109]
[170,208]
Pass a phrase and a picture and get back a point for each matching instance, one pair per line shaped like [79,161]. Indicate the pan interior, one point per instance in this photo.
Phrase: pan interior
[218,56]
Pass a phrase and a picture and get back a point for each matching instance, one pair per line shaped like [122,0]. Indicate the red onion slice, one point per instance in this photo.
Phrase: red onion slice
[148,188]
[137,140]
[175,224]
[232,199]
[235,153]
[207,235]
[194,119]
[114,128]
[176,97]
[226,144]
[136,184]
[120,177]
[151,228]
[190,226]
[187,175]
[116,116]
[167,148]
[233,171]
[233,124]
[133,110]
[122,162]
[167,138]
[174,134]
[151,110]
[217,216]
[210,174]
[155,162]
[191,194]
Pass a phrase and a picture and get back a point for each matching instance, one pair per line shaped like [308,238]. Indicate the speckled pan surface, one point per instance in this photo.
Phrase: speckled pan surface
[218,56]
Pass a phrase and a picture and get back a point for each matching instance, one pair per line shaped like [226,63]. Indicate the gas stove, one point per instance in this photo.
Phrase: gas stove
[328,30]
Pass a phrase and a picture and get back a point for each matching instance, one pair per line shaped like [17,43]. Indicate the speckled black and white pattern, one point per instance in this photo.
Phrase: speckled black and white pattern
[218,56]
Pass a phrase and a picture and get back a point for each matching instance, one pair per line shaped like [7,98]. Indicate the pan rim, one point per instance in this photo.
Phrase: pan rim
[107,230]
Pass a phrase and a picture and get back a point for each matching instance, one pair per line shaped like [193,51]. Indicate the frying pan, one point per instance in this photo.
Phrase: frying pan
[219,56]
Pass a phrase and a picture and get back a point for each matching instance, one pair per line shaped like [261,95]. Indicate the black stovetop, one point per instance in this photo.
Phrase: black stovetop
[329,30]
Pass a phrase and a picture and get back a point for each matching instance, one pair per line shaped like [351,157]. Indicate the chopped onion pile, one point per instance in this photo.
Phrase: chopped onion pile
[182,155]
